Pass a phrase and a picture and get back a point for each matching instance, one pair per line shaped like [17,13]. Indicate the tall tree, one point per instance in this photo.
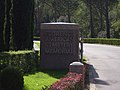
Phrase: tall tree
[100,10]
[39,6]
[70,7]
[101,15]
[2,15]
[107,19]
[91,19]
[22,24]
[54,5]
[115,14]
[109,5]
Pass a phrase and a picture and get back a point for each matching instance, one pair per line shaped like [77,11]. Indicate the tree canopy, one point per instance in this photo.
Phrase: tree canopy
[97,18]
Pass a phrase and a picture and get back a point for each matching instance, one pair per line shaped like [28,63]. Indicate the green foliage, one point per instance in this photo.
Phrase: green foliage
[26,61]
[2,15]
[102,41]
[45,87]
[84,60]
[116,27]
[81,17]
[79,12]
[52,10]
[11,78]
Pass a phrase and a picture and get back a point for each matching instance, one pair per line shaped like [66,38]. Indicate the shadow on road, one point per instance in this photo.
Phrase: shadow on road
[93,73]
[94,76]
[98,81]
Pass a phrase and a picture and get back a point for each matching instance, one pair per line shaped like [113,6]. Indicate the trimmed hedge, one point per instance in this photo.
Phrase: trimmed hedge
[72,81]
[110,41]
[24,60]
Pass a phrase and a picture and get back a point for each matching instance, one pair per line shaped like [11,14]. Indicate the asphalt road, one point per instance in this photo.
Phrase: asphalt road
[104,65]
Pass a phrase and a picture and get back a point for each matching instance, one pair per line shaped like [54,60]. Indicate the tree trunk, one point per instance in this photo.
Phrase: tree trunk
[55,15]
[107,19]
[39,16]
[7,24]
[101,16]
[2,15]
[91,20]
[68,12]
[54,4]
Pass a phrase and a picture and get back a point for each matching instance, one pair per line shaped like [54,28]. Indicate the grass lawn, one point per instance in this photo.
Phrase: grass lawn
[41,79]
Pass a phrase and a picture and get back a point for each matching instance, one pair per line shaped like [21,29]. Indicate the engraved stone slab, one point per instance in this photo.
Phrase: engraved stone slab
[59,45]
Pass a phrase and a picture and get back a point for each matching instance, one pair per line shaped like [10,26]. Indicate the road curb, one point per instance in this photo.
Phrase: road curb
[92,85]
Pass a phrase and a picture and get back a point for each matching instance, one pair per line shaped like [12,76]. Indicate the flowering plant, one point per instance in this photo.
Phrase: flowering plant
[69,81]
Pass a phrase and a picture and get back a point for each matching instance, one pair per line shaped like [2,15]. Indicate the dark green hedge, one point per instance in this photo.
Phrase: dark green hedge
[2,17]
[111,41]
[11,79]
[22,24]
[26,61]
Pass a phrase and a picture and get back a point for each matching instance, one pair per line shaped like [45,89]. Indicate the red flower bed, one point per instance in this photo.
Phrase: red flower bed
[72,81]
[69,82]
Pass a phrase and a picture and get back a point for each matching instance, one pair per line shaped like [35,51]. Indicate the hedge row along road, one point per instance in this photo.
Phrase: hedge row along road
[105,66]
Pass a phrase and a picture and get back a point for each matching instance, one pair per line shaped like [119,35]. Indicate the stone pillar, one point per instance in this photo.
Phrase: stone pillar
[77,67]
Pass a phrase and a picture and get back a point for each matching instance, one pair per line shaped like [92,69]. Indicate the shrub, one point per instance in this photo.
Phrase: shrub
[0,80]
[11,79]
[26,61]
[72,81]
[111,41]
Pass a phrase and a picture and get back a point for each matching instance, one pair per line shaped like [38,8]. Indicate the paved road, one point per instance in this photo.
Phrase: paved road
[105,66]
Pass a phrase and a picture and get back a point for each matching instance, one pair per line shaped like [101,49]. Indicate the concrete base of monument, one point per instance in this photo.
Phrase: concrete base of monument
[76,67]
[55,64]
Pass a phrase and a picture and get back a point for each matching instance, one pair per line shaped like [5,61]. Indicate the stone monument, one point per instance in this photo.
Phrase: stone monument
[59,45]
